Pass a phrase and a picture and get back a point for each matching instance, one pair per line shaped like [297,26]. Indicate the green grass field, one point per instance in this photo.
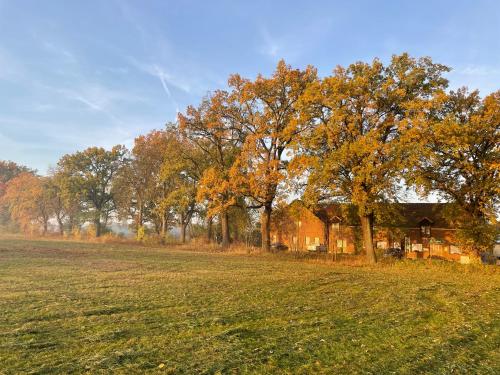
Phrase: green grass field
[68,307]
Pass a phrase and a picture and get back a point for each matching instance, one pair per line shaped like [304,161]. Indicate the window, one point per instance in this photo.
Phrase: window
[307,240]
[294,240]
[274,238]
[342,245]
[425,230]
[454,249]
[407,243]
[336,226]
[299,223]
[316,240]
[381,245]
[416,247]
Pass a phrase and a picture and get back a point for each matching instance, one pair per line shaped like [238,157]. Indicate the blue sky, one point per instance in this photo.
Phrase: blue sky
[79,73]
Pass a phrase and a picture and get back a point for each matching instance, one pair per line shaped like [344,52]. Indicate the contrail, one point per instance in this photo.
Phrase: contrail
[161,76]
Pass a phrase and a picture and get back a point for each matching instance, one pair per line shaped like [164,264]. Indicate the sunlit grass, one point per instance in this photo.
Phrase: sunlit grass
[99,308]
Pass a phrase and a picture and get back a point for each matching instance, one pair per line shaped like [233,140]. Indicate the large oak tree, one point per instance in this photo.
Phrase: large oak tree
[138,187]
[180,174]
[8,171]
[211,127]
[28,201]
[91,173]
[268,120]
[353,152]
[458,157]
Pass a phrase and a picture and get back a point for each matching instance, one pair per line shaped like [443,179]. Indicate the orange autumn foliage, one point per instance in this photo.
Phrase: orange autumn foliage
[269,120]
[27,200]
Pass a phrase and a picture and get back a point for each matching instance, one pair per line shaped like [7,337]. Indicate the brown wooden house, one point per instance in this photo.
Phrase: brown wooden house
[420,229]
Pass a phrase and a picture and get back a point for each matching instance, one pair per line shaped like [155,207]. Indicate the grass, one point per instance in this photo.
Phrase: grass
[68,307]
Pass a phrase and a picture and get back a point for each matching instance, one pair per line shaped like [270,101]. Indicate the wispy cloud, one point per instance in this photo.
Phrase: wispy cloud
[10,67]
[67,134]
[485,78]
[479,70]
[154,69]
[129,15]
[79,98]
[43,107]
[97,97]
[182,76]
[54,138]
[61,52]
[163,79]
[293,43]
[270,46]
[167,79]
[114,70]
[90,91]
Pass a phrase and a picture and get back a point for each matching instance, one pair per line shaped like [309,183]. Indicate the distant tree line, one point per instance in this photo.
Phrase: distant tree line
[362,135]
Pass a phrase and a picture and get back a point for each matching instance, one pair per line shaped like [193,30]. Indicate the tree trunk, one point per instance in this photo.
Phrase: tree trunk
[163,229]
[71,224]
[97,223]
[183,232]
[209,229]
[61,226]
[139,218]
[45,226]
[367,229]
[224,221]
[266,227]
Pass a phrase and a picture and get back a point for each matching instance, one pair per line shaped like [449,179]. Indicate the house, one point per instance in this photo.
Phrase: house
[420,229]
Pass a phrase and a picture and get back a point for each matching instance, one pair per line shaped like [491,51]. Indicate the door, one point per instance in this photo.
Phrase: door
[407,244]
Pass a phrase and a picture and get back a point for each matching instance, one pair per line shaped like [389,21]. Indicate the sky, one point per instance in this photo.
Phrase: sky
[75,74]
